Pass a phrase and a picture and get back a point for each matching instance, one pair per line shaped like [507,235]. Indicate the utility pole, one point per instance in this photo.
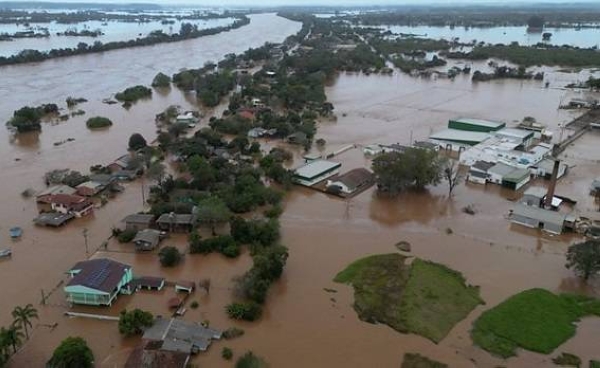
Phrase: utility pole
[85,239]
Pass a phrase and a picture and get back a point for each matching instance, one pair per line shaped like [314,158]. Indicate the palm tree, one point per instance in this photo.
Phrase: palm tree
[23,316]
[4,345]
[14,336]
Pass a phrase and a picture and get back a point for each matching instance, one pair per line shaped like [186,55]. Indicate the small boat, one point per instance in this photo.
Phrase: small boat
[5,253]
[15,232]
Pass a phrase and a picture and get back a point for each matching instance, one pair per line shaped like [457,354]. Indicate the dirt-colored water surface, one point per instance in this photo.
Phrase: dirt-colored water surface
[303,325]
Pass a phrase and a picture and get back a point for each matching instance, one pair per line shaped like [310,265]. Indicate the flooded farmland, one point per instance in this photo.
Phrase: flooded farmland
[303,325]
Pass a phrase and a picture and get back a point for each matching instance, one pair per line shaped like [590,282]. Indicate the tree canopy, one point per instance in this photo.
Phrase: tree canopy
[161,80]
[136,142]
[584,258]
[134,322]
[413,168]
[169,256]
[73,352]
[213,211]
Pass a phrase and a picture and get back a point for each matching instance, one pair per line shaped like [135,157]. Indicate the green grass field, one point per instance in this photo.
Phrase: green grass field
[424,298]
[535,320]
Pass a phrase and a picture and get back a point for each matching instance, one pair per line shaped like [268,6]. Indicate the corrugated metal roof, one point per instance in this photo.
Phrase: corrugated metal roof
[316,168]
[539,214]
[460,135]
[481,122]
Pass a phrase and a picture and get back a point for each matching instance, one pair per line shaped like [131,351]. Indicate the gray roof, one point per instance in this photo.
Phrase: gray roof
[459,136]
[501,169]
[538,192]
[103,179]
[53,218]
[540,214]
[483,165]
[316,168]
[57,189]
[148,236]
[139,218]
[179,335]
[176,219]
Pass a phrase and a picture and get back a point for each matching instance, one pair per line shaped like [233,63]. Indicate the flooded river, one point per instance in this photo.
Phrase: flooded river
[303,325]
[112,31]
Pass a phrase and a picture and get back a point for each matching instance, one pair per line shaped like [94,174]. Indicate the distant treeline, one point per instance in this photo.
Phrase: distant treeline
[481,16]
[187,31]
[27,17]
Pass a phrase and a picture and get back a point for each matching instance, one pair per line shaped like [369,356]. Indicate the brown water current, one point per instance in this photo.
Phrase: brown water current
[303,325]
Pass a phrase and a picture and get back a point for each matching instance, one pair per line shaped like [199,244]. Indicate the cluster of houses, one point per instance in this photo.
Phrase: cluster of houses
[496,154]
[169,342]
[66,203]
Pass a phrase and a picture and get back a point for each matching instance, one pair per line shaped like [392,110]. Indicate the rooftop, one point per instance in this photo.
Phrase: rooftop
[543,215]
[316,168]
[517,175]
[139,218]
[515,133]
[539,192]
[483,165]
[501,169]
[455,135]
[57,189]
[53,219]
[176,219]
[147,236]
[177,334]
[355,178]
[150,355]
[100,274]
[481,122]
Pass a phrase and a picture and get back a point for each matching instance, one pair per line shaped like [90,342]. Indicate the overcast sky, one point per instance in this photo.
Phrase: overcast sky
[318,2]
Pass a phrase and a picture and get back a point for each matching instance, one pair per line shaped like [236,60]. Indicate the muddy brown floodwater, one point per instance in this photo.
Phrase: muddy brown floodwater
[303,325]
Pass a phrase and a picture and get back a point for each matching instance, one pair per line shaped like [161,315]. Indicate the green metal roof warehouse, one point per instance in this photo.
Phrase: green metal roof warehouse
[475,125]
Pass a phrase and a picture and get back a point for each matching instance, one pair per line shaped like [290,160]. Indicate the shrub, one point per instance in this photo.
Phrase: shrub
[169,256]
[225,244]
[134,322]
[98,122]
[194,305]
[566,359]
[161,80]
[73,352]
[136,142]
[249,360]
[232,333]
[126,236]
[247,311]
[133,94]
[227,353]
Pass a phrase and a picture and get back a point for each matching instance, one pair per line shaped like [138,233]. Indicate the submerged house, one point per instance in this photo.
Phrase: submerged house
[508,176]
[315,172]
[178,222]
[147,239]
[98,282]
[351,182]
[180,336]
[138,221]
[71,204]
[44,196]
[538,218]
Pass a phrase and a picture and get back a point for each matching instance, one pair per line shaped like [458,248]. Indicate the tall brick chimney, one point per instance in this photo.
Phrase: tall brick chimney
[552,186]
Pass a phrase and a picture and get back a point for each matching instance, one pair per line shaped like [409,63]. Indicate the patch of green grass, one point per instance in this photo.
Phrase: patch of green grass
[423,298]
[435,299]
[419,361]
[535,320]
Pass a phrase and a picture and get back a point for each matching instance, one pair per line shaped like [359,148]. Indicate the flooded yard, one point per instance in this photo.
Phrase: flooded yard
[303,325]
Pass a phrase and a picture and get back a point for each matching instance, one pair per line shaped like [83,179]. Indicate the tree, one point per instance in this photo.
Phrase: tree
[161,80]
[136,142]
[156,172]
[584,258]
[23,316]
[412,168]
[98,122]
[452,175]
[249,360]
[73,352]
[213,211]
[134,322]
[14,337]
[4,346]
[169,256]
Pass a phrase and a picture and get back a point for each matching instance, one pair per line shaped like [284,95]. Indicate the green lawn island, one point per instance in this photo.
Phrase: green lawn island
[98,282]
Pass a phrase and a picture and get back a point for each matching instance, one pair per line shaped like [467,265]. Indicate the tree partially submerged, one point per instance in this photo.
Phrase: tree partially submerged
[452,175]
[134,322]
[584,258]
[73,352]
[170,256]
[414,168]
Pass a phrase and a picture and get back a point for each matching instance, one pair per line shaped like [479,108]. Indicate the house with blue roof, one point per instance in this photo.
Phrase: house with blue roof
[98,282]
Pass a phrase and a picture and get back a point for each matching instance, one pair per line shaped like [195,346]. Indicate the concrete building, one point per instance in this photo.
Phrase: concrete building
[475,125]
[97,282]
[538,218]
[508,176]
[521,136]
[458,140]
[315,172]
[478,172]
[544,168]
